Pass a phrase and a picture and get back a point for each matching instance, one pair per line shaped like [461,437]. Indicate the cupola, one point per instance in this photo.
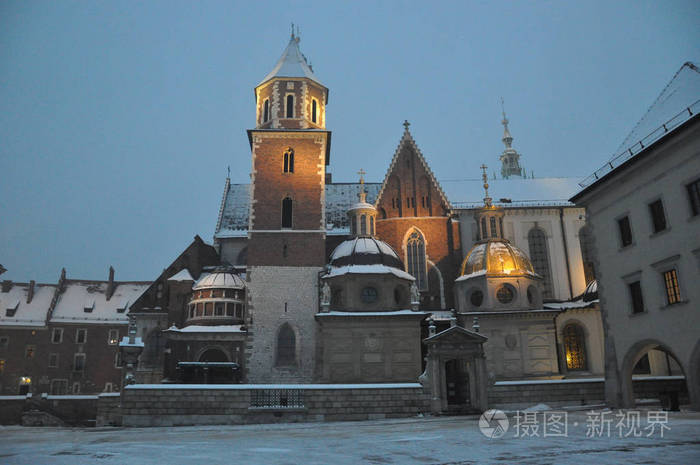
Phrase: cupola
[362,215]
[217,298]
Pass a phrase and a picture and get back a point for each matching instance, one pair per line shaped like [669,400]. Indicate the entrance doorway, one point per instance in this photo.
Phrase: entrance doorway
[457,383]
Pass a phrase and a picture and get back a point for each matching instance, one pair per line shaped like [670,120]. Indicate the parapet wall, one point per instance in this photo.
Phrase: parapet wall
[174,405]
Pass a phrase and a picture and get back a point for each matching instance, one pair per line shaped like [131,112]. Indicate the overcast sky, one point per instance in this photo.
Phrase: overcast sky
[118,119]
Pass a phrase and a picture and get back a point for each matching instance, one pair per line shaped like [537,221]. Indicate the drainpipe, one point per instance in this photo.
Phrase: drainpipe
[566,251]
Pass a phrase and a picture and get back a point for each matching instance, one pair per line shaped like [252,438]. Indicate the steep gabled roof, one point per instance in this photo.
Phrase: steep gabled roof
[407,140]
[292,63]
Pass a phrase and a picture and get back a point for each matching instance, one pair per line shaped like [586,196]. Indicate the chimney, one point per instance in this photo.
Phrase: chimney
[30,291]
[110,284]
[6,285]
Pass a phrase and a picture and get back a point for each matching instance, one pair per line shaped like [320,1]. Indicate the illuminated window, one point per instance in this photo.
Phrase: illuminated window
[288,165]
[2,366]
[80,336]
[56,335]
[415,259]
[290,106]
[286,346]
[287,213]
[537,241]
[673,292]
[694,196]
[113,337]
[658,217]
[53,360]
[575,347]
[623,225]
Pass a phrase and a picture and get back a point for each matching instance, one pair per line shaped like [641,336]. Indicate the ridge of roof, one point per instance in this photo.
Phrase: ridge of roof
[292,63]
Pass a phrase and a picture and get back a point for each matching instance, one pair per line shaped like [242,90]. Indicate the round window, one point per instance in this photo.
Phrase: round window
[369,295]
[505,294]
[476,297]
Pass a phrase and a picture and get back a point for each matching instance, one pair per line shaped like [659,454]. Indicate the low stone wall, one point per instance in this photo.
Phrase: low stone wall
[174,405]
[109,411]
[71,410]
[560,392]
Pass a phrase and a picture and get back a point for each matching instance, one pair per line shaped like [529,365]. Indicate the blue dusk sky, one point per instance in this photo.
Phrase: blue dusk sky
[118,119]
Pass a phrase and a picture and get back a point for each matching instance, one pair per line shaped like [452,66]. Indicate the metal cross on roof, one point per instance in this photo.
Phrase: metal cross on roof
[406,124]
[362,173]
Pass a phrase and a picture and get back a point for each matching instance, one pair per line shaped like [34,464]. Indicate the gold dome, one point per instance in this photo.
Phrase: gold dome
[496,257]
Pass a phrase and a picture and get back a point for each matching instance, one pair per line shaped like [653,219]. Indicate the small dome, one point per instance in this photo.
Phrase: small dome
[365,251]
[220,280]
[496,257]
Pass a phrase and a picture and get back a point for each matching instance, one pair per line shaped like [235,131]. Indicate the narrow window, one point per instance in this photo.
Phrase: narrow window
[363,225]
[200,308]
[229,309]
[415,259]
[371,226]
[57,335]
[537,241]
[658,218]
[585,239]
[80,336]
[287,213]
[484,234]
[694,196]
[113,337]
[53,360]
[636,297]
[286,346]
[290,106]
[219,309]
[79,362]
[673,292]
[2,366]
[313,110]
[494,232]
[353,225]
[208,309]
[575,346]
[266,111]
[393,203]
[288,165]
[625,231]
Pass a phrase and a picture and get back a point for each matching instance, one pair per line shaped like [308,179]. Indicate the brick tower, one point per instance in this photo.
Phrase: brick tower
[286,248]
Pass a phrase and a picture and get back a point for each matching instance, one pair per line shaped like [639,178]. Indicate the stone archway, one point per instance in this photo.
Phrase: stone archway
[213,355]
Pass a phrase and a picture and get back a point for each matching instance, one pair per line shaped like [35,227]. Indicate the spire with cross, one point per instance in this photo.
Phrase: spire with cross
[406,124]
[362,194]
[485,177]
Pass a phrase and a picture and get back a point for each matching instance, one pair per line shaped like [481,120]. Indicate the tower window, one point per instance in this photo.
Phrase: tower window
[287,212]
[415,259]
[494,232]
[290,106]
[313,110]
[363,225]
[288,161]
[537,241]
[266,111]
[371,225]
[286,346]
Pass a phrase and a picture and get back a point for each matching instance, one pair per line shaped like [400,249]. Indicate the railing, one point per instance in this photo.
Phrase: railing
[646,141]
[276,398]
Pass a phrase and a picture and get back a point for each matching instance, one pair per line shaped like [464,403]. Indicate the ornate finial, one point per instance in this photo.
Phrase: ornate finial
[362,173]
[406,124]
[485,177]
[362,194]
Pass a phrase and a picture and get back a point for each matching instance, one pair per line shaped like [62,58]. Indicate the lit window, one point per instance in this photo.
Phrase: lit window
[694,196]
[537,241]
[2,366]
[79,362]
[623,225]
[658,218]
[636,297]
[415,259]
[113,338]
[575,347]
[673,292]
[80,336]
[53,361]
[287,213]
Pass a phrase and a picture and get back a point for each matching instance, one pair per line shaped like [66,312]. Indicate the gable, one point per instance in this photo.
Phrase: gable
[456,335]
[410,188]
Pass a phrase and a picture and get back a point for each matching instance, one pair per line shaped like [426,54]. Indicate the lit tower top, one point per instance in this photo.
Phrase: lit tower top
[489,219]
[291,96]
[510,158]
[362,215]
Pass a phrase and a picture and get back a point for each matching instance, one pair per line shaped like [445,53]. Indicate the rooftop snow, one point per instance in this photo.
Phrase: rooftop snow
[469,193]
[182,275]
[367,269]
[292,63]
[26,314]
[360,314]
[207,329]
[70,305]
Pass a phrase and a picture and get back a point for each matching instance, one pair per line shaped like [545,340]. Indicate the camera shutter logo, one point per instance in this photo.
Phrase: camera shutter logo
[493,423]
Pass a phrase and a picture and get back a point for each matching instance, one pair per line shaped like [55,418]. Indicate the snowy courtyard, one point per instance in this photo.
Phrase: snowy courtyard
[583,439]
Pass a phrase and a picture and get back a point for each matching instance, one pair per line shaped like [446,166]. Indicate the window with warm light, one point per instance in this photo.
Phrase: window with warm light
[113,337]
[574,345]
[29,352]
[673,291]
[415,259]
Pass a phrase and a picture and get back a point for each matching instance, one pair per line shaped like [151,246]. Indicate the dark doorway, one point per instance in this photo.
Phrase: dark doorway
[213,355]
[457,383]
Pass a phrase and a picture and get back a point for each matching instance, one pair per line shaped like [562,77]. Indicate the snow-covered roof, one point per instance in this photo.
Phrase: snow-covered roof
[521,192]
[580,303]
[361,314]
[219,279]
[25,314]
[207,329]
[80,296]
[292,63]
[233,214]
[367,269]
[182,275]
[678,102]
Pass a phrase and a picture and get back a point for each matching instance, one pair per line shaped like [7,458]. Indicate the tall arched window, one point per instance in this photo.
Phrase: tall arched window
[585,239]
[290,106]
[286,346]
[363,225]
[415,259]
[537,241]
[371,226]
[287,212]
[289,160]
[314,104]
[575,346]
[266,111]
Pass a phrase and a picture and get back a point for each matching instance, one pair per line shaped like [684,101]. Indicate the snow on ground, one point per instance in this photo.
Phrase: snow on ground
[441,440]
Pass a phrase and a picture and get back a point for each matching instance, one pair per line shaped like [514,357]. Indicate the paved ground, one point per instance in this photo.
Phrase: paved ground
[444,440]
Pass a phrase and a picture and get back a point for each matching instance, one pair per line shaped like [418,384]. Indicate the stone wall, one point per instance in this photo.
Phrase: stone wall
[162,405]
[71,410]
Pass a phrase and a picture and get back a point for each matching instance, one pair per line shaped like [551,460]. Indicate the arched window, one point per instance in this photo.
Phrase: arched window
[287,212]
[575,346]
[492,222]
[484,234]
[313,110]
[585,239]
[290,106]
[363,225]
[537,241]
[371,226]
[415,259]
[266,111]
[286,346]
[289,160]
